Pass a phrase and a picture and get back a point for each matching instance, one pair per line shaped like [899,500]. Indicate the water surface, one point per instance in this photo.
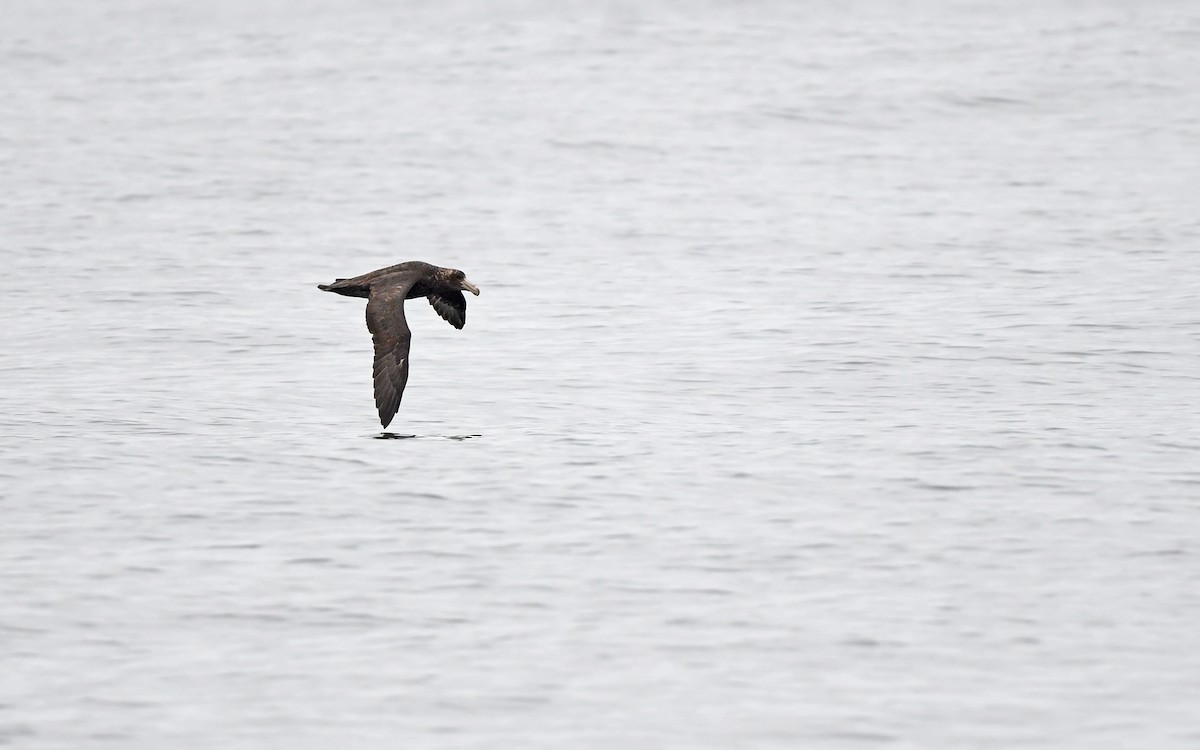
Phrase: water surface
[833,383]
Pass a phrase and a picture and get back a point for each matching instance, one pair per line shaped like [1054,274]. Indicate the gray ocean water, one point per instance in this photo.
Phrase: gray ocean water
[834,381]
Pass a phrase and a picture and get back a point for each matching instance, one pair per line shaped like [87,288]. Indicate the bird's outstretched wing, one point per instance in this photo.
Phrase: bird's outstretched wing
[389,330]
[450,305]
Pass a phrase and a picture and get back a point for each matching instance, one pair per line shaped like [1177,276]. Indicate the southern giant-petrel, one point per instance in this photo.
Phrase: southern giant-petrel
[386,290]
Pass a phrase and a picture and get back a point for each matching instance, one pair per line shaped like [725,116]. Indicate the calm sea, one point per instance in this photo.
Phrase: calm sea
[835,381]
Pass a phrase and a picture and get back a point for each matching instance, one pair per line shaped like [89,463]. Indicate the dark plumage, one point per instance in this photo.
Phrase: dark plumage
[386,290]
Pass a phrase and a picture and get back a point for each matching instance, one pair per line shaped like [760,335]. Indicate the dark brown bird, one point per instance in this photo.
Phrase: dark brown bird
[386,290]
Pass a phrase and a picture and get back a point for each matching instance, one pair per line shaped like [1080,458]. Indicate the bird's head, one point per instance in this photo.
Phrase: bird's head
[458,280]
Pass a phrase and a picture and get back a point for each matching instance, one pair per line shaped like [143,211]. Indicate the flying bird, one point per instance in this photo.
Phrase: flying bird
[386,290]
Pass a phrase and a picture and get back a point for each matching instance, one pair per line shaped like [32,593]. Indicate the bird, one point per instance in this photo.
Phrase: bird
[385,290]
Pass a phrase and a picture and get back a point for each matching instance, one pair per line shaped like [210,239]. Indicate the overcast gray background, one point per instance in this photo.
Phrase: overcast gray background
[833,383]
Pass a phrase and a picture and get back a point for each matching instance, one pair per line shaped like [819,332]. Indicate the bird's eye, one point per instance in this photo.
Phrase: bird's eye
[459,275]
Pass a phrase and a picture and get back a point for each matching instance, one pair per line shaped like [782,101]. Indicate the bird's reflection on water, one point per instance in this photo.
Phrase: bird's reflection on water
[397,436]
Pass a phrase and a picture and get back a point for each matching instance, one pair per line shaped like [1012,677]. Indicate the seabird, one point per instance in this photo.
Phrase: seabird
[386,290]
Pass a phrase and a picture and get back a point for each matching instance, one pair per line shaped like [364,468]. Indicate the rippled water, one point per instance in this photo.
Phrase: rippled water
[833,383]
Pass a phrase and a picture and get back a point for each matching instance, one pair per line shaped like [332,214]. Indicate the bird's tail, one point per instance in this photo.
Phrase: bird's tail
[339,286]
